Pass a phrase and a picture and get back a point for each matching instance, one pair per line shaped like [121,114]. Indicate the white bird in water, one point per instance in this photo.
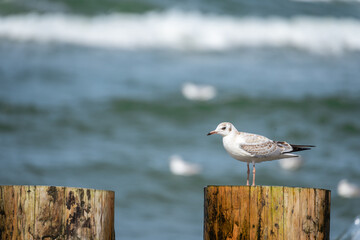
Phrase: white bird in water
[353,232]
[291,164]
[180,167]
[347,189]
[198,92]
[253,148]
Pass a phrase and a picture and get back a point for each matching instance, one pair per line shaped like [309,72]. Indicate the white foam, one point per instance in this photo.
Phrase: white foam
[185,31]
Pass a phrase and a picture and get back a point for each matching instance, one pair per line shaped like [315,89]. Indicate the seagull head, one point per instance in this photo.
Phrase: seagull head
[223,129]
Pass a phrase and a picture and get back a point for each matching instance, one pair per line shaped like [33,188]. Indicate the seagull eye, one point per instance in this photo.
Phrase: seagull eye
[223,128]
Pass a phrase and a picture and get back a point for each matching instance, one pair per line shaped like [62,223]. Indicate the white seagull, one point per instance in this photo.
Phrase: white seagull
[291,164]
[253,148]
[198,92]
[347,189]
[180,167]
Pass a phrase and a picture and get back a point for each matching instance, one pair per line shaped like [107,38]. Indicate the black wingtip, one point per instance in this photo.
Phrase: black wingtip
[297,148]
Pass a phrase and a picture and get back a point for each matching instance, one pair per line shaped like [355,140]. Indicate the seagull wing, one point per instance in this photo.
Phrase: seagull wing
[266,148]
[250,138]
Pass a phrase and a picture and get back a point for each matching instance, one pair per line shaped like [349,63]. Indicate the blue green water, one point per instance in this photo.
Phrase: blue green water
[90,96]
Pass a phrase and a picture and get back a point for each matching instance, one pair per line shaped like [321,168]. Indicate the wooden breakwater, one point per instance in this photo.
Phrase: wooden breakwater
[265,212]
[230,212]
[48,212]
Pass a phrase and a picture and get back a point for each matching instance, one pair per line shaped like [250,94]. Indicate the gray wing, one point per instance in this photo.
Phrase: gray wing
[266,149]
[250,138]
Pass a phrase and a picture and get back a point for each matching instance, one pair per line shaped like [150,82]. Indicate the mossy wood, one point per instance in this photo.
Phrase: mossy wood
[265,212]
[47,212]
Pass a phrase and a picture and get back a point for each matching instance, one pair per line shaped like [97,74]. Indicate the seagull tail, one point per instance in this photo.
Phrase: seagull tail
[297,148]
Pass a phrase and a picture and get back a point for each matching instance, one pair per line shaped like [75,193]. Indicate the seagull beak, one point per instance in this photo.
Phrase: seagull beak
[211,133]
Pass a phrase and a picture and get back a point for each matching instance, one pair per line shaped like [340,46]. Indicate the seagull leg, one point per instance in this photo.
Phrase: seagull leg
[254,171]
[248,174]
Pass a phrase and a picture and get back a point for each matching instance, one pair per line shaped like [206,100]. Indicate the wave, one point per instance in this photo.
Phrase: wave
[189,31]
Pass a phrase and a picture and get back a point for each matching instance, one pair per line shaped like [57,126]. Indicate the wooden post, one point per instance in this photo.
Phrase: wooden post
[47,212]
[264,212]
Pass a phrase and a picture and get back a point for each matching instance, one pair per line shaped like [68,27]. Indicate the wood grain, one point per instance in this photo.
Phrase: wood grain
[266,212]
[48,212]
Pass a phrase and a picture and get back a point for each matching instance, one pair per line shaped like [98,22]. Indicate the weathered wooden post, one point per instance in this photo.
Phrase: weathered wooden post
[47,212]
[265,212]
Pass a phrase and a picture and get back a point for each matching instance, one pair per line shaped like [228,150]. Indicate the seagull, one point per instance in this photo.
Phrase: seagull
[180,167]
[291,164]
[198,92]
[352,232]
[347,189]
[253,148]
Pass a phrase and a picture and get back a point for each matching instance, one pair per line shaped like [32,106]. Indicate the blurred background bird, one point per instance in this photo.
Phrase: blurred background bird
[347,189]
[192,91]
[291,164]
[179,166]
